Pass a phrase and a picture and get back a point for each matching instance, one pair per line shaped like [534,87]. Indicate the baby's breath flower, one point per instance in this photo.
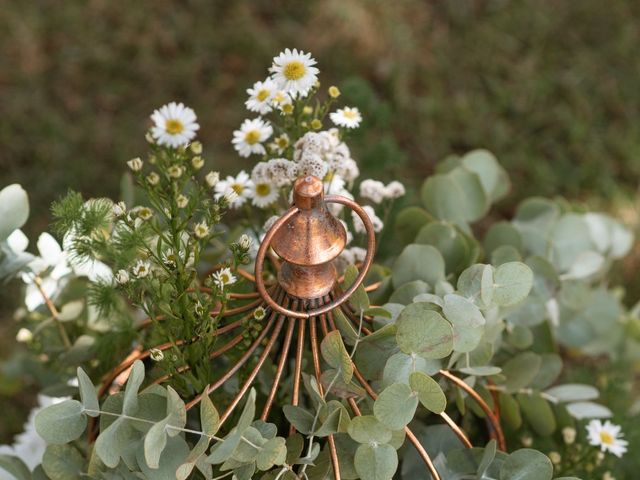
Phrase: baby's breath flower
[145,213]
[569,435]
[196,147]
[174,125]
[293,72]
[201,230]
[197,162]
[259,313]
[156,354]
[182,201]
[347,117]
[251,135]
[122,277]
[119,209]
[334,92]
[141,269]
[223,277]
[394,190]
[24,335]
[212,179]
[135,164]
[358,226]
[373,190]
[153,178]
[175,171]
[316,124]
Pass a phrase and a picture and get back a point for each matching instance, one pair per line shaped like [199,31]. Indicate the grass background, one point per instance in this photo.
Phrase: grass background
[550,86]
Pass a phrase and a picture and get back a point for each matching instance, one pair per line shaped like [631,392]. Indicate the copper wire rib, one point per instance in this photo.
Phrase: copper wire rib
[284,356]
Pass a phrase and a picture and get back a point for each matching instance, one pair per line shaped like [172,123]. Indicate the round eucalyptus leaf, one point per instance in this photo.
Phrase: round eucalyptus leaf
[505,254]
[512,283]
[527,464]
[476,284]
[174,455]
[367,428]
[395,406]
[274,452]
[405,293]
[14,209]
[400,366]
[538,413]
[502,234]
[14,466]
[521,370]
[62,422]
[424,332]
[418,262]
[429,392]
[376,462]
[61,462]
[335,354]
[494,178]
[467,321]
[449,242]
[409,221]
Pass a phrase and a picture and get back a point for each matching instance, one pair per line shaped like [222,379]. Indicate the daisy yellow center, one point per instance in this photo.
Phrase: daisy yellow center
[224,277]
[282,142]
[173,126]
[607,438]
[350,114]
[263,189]
[294,70]
[262,95]
[238,188]
[252,137]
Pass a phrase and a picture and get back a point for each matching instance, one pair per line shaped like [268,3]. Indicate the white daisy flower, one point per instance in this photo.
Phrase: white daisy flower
[347,117]
[156,354]
[122,277]
[201,229]
[230,197]
[358,226]
[259,313]
[607,436]
[294,72]
[141,269]
[263,194]
[174,125]
[250,137]
[260,96]
[280,144]
[224,277]
[169,258]
[242,185]
[373,190]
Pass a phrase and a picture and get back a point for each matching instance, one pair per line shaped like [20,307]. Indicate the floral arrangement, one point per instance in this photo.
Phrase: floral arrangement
[158,272]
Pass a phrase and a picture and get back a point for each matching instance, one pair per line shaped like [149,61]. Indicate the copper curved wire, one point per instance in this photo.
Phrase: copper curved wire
[496,429]
[236,366]
[254,372]
[282,361]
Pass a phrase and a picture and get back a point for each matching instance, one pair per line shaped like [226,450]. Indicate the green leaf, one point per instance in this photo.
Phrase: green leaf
[429,392]
[423,332]
[367,428]
[88,394]
[274,452]
[510,410]
[405,294]
[457,196]
[481,371]
[62,462]
[467,321]
[582,410]
[549,371]
[174,455]
[494,179]
[176,412]
[448,241]
[336,355]
[526,464]
[61,423]
[487,458]
[249,411]
[502,234]
[70,311]
[521,370]
[572,392]
[376,462]
[512,283]
[300,418]
[359,299]
[400,366]
[395,406]
[130,401]
[109,443]
[154,443]
[476,283]
[14,466]
[209,417]
[14,209]
[195,456]
[538,413]
[418,262]
[346,328]
[223,449]
[408,223]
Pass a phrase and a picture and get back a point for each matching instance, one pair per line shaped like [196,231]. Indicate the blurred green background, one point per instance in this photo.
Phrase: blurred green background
[550,86]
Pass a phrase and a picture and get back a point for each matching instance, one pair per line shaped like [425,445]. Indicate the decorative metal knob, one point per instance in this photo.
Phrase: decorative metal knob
[308,238]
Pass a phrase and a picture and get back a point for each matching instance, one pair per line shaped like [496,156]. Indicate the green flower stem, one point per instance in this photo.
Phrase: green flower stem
[54,312]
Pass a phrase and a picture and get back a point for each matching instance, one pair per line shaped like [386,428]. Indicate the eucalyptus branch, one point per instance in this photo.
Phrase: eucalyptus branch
[54,312]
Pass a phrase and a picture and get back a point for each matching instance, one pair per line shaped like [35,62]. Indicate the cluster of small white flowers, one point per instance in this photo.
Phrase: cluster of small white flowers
[358,225]
[377,191]
[353,255]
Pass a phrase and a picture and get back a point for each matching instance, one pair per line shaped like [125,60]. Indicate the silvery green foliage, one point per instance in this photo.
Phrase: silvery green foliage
[14,211]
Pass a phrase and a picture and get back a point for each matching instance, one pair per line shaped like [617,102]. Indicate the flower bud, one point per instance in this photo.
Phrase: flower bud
[135,164]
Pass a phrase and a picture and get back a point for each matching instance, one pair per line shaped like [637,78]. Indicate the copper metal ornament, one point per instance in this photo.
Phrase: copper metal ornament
[300,306]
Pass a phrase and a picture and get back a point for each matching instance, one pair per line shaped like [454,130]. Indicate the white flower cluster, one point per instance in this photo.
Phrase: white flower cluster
[377,191]
[324,155]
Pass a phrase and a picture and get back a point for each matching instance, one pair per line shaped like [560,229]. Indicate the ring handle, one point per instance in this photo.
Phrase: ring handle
[368,259]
